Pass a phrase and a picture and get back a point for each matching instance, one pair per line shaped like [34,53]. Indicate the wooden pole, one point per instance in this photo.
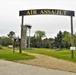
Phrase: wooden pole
[72,40]
[21,35]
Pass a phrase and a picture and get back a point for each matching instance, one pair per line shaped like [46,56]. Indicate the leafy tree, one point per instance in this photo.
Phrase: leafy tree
[38,38]
[74,39]
[58,40]
[63,40]
[6,41]
[11,34]
[47,42]
[33,42]
[39,34]
[66,39]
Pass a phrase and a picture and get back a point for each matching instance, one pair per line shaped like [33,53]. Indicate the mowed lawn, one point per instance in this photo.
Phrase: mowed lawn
[60,54]
[7,54]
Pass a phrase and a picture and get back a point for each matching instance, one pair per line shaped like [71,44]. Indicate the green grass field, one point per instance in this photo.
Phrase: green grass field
[7,54]
[60,54]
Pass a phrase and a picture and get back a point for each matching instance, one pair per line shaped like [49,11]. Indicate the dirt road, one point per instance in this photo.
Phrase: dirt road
[51,62]
[11,68]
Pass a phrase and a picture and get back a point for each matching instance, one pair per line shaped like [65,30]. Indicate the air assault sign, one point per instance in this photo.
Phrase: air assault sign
[46,11]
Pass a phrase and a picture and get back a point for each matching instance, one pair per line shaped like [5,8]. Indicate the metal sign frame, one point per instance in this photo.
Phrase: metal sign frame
[48,12]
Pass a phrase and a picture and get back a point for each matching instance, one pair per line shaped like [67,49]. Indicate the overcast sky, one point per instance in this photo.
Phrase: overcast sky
[51,24]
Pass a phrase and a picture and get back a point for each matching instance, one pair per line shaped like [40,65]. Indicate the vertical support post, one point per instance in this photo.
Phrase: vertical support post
[29,38]
[21,34]
[25,34]
[72,40]
[19,44]
[14,46]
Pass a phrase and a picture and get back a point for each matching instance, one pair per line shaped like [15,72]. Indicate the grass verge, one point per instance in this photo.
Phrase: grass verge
[60,54]
[6,53]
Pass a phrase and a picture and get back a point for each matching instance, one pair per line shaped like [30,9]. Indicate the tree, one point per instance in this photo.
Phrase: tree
[36,40]
[74,41]
[47,42]
[39,34]
[6,41]
[66,39]
[11,34]
[58,40]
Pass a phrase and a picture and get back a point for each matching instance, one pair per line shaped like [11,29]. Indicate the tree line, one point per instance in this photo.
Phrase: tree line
[62,40]
[39,40]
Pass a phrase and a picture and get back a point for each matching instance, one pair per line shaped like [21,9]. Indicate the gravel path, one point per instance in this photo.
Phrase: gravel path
[11,68]
[51,62]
